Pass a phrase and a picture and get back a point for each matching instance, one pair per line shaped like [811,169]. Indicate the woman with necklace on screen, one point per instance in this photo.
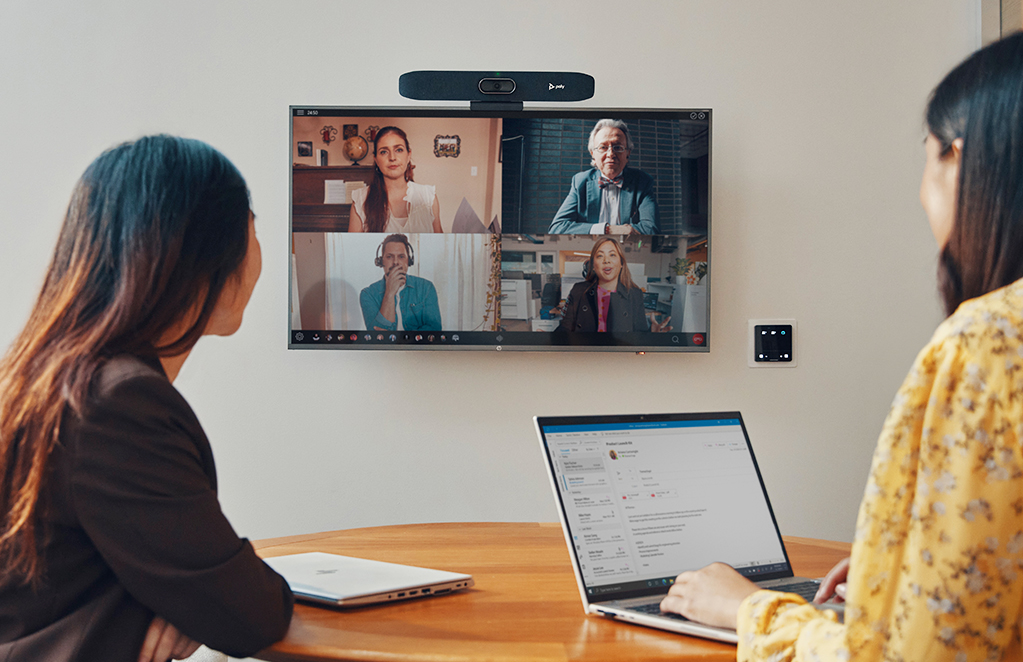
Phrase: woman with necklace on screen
[607,300]
[393,202]
[936,571]
[113,545]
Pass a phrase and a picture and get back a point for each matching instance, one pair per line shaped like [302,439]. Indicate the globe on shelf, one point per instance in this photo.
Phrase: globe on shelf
[355,148]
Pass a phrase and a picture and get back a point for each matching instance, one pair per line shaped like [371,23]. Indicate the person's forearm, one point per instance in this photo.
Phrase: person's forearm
[387,308]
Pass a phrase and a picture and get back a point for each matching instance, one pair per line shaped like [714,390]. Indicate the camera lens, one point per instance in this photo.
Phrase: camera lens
[496,86]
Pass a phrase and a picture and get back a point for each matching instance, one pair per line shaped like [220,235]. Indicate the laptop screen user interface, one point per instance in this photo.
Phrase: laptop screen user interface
[647,500]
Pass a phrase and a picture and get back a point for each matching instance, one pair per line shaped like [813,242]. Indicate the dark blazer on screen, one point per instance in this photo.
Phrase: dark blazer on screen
[625,313]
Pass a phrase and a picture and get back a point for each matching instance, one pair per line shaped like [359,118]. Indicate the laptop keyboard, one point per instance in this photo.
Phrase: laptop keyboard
[654,609]
[807,590]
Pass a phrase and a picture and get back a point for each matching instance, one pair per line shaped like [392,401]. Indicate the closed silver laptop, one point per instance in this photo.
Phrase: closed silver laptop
[346,581]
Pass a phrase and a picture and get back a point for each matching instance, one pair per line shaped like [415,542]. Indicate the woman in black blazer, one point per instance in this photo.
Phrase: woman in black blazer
[607,300]
[113,545]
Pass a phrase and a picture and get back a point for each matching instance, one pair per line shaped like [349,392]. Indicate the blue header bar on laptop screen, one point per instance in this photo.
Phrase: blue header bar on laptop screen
[643,425]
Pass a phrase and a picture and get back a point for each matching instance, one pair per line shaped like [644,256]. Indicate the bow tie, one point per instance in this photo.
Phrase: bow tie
[605,182]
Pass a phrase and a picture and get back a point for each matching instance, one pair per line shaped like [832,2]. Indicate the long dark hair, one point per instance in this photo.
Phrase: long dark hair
[981,102]
[624,277]
[154,230]
[376,198]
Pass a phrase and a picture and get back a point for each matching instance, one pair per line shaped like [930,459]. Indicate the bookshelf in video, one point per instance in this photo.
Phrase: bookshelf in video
[447,228]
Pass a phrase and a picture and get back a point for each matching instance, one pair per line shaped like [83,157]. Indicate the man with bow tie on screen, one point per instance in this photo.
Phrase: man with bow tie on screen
[609,198]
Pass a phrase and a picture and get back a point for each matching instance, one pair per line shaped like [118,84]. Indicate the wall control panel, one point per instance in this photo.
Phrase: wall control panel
[772,343]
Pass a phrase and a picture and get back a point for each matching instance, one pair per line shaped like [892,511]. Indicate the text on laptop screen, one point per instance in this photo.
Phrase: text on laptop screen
[448,229]
[644,501]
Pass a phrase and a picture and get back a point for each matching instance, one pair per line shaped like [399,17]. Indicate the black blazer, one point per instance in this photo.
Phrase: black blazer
[133,527]
[625,313]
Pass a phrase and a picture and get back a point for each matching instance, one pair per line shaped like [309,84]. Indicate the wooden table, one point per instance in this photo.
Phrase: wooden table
[525,605]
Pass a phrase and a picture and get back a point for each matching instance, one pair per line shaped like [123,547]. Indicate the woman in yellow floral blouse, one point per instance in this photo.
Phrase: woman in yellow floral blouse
[936,571]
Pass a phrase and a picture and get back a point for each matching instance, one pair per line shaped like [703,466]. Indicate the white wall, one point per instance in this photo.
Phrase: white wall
[816,162]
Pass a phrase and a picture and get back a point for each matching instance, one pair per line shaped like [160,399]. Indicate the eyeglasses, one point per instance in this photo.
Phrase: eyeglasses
[602,149]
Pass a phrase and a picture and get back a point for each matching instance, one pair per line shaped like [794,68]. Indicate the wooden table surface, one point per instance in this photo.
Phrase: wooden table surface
[525,605]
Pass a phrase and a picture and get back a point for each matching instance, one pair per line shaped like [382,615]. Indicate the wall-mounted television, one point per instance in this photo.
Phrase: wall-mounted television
[537,229]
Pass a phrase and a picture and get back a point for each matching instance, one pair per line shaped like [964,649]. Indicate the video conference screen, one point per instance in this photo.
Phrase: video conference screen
[454,229]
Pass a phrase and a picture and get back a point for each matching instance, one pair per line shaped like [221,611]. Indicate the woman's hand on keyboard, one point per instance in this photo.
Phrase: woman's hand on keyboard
[834,583]
[711,595]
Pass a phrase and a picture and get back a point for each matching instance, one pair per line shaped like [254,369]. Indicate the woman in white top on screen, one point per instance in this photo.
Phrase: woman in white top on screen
[393,202]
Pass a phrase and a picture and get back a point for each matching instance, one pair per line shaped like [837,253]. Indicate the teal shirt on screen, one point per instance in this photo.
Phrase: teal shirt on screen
[417,302]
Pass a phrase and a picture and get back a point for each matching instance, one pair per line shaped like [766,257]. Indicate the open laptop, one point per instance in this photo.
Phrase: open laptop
[346,581]
[643,498]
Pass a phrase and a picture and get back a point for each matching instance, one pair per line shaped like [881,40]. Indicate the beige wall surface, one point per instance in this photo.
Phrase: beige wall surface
[816,162]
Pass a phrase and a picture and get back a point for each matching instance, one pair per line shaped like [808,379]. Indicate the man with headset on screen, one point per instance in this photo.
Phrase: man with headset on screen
[399,301]
[609,198]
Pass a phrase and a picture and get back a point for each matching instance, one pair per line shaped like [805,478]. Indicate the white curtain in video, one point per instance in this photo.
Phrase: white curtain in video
[458,265]
[349,269]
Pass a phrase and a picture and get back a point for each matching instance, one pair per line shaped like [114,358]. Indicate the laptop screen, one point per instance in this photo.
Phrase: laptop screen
[647,497]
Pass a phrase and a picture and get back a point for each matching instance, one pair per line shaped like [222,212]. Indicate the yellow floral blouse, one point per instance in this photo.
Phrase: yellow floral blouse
[937,561]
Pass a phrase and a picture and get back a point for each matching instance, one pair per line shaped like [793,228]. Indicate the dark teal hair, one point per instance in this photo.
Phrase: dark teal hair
[155,229]
[165,221]
[981,102]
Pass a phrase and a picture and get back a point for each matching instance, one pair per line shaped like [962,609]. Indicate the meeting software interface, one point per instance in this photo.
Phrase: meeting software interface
[645,501]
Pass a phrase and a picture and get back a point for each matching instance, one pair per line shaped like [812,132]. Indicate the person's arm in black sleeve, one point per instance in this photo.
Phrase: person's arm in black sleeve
[144,490]
[639,319]
[571,310]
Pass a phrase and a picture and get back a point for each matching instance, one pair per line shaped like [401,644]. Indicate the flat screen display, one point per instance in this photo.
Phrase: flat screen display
[540,229]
